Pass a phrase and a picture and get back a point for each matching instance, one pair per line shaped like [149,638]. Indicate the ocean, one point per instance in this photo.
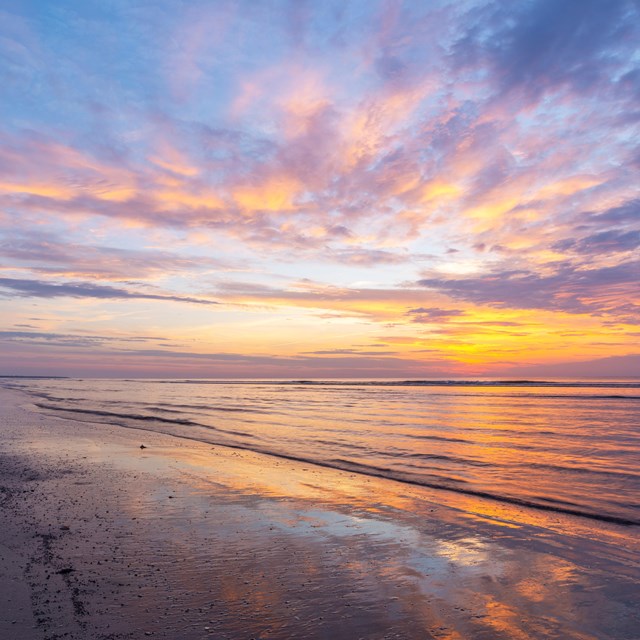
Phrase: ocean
[571,447]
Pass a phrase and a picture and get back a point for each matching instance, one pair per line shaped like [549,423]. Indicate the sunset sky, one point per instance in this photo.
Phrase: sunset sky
[314,188]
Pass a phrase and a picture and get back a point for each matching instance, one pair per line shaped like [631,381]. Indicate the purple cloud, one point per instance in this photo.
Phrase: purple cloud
[40,289]
[541,45]
[610,241]
[71,340]
[570,289]
[44,253]
[427,315]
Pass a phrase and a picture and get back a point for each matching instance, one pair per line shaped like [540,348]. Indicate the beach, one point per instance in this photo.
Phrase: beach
[114,533]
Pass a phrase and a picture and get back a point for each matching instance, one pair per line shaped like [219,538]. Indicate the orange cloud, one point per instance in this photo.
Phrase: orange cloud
[56,191]
[274,194]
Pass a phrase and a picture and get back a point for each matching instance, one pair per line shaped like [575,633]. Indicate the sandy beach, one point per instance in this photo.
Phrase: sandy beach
[103,539]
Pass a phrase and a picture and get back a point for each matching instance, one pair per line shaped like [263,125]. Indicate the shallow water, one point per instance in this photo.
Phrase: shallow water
[567,447]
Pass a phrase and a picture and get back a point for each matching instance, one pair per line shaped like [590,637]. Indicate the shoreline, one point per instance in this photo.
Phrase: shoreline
[103,539]
[346,466]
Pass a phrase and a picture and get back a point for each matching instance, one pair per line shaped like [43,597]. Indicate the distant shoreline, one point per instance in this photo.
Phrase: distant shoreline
[626,381]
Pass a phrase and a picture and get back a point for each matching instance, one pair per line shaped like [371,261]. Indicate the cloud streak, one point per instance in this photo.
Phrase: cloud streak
[40,289]
[569,289]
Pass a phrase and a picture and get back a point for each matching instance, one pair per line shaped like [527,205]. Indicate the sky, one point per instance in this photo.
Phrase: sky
[371,189]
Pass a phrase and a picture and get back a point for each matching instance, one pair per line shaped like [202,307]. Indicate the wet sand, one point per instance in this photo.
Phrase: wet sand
[181,540]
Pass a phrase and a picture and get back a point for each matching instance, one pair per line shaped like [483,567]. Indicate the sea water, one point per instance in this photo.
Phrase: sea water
[567,446]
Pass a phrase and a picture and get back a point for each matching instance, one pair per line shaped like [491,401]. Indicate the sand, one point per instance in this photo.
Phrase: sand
[100,538]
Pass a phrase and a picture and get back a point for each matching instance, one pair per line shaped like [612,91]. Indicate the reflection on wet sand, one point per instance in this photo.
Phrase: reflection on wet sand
[290,550]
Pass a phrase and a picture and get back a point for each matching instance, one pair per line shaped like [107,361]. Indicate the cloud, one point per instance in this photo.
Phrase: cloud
[570,289]
[331,172]
[375,303]
[337,364]
[40,289]
[369,257]
[47,253]
[610,241]
[427,315]
[626,213]
[71,340]
[541,45]
[354,352]
[610,367]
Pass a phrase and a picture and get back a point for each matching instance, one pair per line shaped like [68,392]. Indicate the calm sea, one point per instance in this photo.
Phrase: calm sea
[572,447]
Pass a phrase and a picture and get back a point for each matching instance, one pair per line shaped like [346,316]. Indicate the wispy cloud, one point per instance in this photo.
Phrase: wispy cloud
[72,339]
[45,253]
[426,315]
[566,288]
[40,289]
